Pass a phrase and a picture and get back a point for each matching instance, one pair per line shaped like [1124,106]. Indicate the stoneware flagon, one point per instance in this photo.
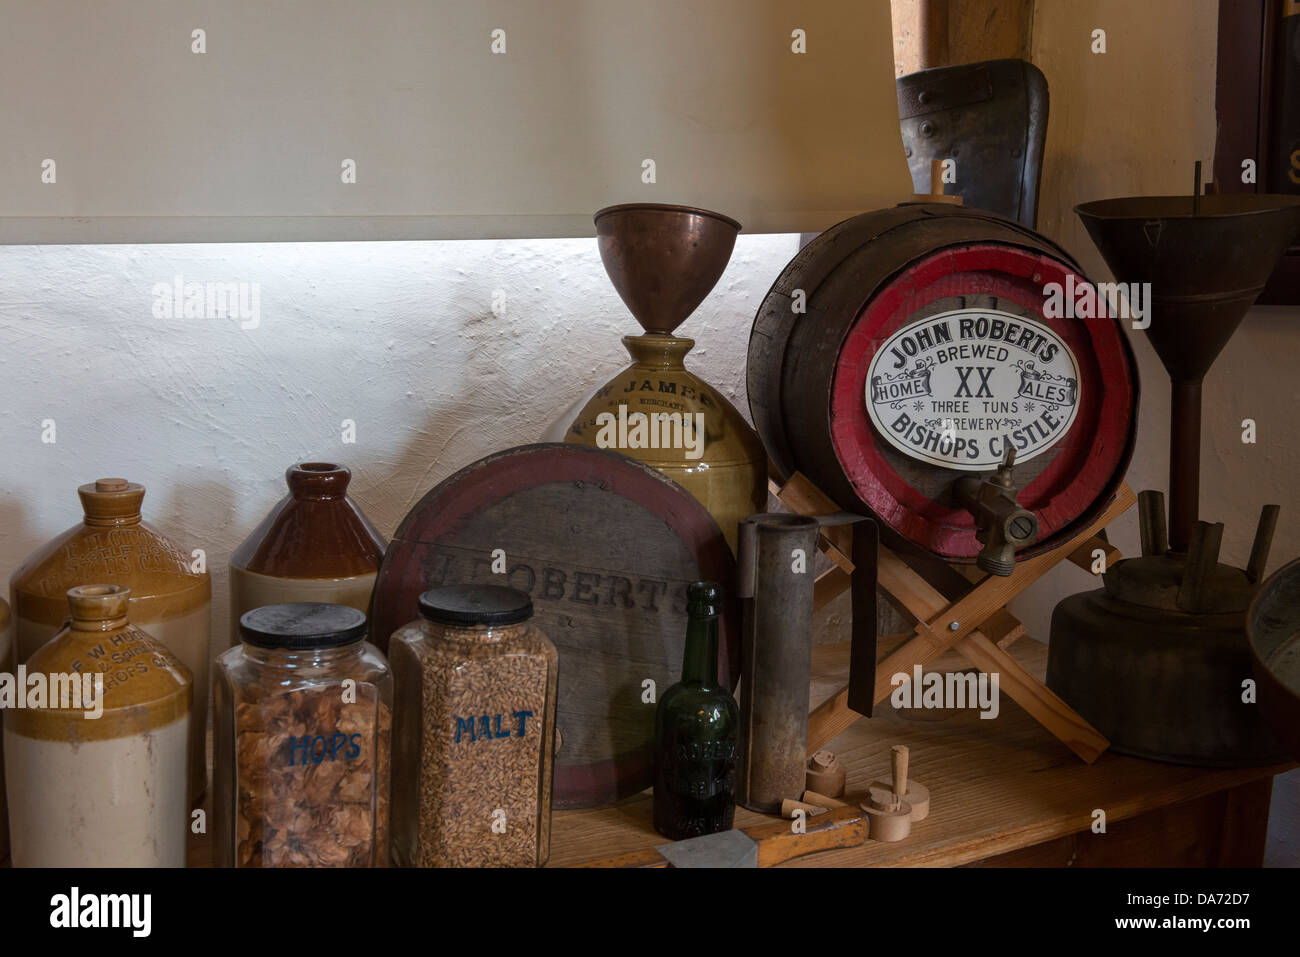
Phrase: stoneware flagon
[316,545]
[107,791]
[169,599]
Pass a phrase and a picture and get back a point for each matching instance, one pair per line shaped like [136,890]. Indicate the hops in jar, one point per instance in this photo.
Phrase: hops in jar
[302,722]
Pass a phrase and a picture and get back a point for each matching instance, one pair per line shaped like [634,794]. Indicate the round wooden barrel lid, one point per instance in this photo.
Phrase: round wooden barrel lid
[605,547]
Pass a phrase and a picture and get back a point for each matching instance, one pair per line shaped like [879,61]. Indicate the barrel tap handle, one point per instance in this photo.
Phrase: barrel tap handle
[1000,523]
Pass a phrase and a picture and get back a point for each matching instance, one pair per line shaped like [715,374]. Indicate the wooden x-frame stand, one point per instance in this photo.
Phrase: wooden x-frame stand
[977,625]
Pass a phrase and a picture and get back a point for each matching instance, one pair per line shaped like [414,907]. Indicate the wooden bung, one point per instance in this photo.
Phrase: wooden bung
[825,775]
[890,816]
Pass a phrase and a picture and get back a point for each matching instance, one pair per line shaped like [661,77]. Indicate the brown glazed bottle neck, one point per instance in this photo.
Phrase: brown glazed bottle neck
[315,531]
[111,502]
[658,351]
[98,607]
[317,480]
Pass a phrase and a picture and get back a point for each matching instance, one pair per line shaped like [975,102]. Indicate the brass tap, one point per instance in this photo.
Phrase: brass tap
[1000,523]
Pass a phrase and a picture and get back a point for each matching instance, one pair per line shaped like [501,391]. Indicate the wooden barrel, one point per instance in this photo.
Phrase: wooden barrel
[907,347]
[606,547]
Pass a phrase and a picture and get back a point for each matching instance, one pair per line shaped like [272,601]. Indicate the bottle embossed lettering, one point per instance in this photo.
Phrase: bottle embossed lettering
[97,773]
[696,727]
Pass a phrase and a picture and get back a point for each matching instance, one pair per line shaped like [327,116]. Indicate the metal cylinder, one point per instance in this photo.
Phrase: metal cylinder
[1184,462]
[776,584]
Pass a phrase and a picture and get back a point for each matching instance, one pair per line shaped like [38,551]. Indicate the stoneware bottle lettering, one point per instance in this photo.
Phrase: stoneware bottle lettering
[97,770]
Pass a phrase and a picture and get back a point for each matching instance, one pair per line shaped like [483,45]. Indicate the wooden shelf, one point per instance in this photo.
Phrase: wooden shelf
[999,786]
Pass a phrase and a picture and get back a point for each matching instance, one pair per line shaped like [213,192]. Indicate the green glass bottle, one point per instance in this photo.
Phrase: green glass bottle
[697,724]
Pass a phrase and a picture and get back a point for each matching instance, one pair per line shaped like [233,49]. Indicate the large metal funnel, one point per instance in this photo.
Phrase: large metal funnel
[1205,269]
[1206,260]
[664,260]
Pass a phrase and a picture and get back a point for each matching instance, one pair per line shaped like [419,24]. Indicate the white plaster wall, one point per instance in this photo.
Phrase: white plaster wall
[399,337]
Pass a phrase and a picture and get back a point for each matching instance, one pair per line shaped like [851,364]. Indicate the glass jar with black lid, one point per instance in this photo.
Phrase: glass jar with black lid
[302,727]
[474,733]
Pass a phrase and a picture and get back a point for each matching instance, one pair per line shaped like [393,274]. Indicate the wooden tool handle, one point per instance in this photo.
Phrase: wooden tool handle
[777,842]
[898,762]
[646,858]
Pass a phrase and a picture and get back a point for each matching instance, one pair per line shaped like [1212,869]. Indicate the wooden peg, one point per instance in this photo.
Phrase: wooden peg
[822,800]
[936,177]
[898,765]
[789,806]
[916,795]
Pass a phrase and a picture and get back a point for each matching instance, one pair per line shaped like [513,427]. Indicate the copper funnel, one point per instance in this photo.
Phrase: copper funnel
[664,260]
[1207,260]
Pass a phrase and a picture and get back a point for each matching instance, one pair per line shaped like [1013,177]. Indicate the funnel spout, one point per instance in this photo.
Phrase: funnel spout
[1184,462]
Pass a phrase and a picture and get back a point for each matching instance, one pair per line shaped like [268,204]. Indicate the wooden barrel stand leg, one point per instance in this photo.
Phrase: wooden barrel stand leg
[977,625]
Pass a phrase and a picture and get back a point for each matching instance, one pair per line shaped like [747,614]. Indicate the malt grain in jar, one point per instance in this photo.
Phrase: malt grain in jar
[474,733]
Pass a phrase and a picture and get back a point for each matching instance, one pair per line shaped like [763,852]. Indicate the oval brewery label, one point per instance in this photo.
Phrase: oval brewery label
[959,388]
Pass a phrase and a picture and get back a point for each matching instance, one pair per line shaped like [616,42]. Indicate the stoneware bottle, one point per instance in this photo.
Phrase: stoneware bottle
[169,600]
[6,667]
[314,546]
[97,775]
[725,468]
